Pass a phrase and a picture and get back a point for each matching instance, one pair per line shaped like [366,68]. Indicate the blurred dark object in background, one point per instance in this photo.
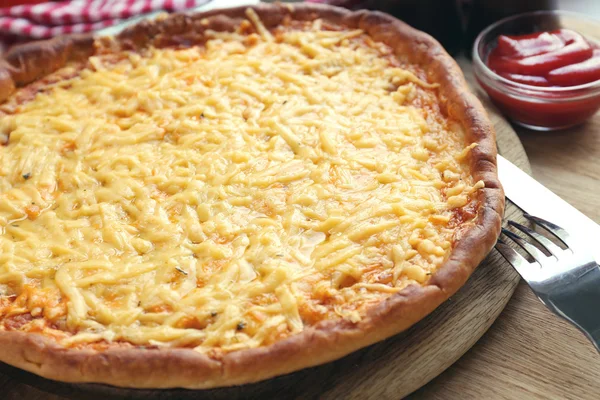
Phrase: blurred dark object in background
[456,23]
[440,18]
[481,13]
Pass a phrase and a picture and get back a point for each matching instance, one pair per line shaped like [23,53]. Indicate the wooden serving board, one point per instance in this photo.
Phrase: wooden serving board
[391,369]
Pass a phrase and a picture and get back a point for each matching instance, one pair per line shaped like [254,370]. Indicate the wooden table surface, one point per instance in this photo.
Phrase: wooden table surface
[528,353]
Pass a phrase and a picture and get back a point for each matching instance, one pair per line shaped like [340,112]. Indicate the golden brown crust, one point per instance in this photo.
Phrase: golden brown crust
[25,63]
[326,341]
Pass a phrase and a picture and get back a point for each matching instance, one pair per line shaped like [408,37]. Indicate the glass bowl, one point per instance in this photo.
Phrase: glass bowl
[538,108]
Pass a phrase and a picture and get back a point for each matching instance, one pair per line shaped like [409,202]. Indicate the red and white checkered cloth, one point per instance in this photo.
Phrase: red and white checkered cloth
[45,20]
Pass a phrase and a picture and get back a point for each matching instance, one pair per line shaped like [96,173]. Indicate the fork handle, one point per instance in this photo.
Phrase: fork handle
[595,338]
[578,304]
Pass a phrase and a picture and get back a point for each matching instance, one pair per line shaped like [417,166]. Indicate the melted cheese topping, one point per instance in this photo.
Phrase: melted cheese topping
[225,196]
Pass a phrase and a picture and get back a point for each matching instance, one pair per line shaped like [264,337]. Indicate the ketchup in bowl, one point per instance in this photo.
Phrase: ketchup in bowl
[545,80]
[559,58]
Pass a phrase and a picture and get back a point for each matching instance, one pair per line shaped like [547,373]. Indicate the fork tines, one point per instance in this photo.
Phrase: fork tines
[566,280]
[551,250]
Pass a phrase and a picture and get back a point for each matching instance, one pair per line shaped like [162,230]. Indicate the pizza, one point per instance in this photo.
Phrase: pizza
[216,199]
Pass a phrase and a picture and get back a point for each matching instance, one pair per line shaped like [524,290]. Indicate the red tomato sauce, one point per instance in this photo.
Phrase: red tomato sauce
[559,58]
[556,59]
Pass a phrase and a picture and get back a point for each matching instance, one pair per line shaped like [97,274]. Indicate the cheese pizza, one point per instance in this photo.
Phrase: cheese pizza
[215,199]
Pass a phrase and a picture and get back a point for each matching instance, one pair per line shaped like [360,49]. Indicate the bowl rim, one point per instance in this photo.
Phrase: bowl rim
[530,89]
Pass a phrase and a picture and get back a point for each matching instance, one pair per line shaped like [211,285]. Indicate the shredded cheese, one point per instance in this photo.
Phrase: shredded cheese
[228,195]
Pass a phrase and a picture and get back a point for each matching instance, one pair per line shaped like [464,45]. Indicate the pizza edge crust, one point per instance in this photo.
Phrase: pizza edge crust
[328,340]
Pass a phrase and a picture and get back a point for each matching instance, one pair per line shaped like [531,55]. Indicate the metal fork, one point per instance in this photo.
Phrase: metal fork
[567,280]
